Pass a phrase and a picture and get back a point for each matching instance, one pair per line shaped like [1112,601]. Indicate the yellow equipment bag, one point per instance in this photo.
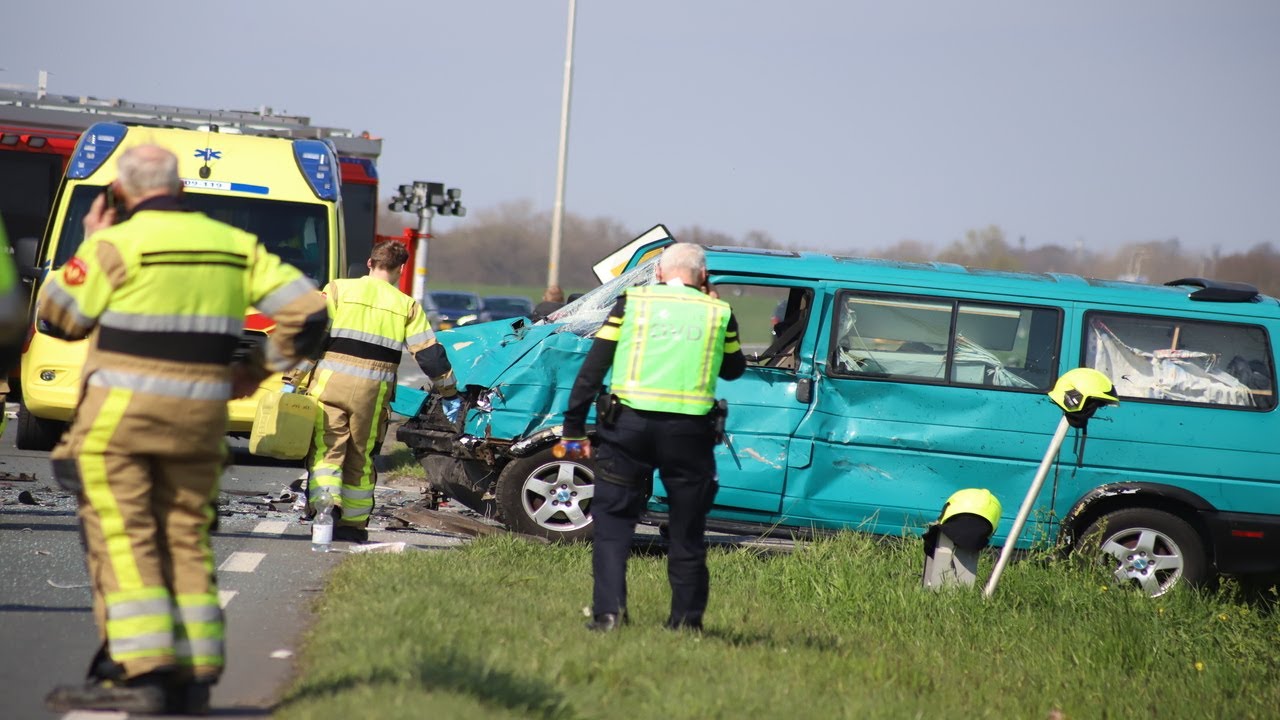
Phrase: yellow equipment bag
[283,426]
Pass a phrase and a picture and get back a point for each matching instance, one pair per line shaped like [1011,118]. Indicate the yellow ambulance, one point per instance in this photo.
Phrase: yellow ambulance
[286,191]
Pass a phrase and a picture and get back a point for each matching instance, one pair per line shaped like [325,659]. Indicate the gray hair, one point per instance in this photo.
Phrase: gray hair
[684,258]
[148,170]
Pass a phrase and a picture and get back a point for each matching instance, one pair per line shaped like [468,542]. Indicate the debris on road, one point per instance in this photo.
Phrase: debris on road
[420,516]
[66,586]
[383,547]
[282,654]
[26,498]
[18,477]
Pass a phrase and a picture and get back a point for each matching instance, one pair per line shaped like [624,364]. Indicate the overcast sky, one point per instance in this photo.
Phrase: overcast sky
[840,124]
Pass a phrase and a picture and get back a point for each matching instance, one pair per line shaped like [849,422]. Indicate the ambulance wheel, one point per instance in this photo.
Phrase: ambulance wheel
[540,495]
[37,433]
[1151,549]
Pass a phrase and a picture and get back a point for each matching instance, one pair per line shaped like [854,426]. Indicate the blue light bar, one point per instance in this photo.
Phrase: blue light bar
[320,166]
[94,147]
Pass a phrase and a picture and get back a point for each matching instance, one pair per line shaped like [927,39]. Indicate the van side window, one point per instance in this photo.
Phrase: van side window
[771,321]
[946,341]
[1183,361]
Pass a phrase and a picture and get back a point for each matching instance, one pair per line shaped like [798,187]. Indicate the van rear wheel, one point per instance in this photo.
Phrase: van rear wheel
[35,433]
[548,497]
[1152,549]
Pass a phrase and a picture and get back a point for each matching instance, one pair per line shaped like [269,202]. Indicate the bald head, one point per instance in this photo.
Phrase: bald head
[685,261]
[147,171]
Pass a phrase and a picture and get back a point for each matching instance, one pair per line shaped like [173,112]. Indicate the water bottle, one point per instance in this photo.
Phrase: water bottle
[322,524]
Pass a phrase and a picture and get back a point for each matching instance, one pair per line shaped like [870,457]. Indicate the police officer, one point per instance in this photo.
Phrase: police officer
[667,344]
[163,295]
[373,324]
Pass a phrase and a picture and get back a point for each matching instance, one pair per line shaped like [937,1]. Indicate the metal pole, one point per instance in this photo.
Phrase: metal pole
[557,214]
[420,253]
[1027,502]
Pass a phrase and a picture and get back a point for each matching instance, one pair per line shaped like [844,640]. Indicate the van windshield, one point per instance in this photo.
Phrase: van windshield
[297,232]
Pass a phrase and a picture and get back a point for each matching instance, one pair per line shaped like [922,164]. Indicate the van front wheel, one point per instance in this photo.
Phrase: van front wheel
[544,496]
[1152,549]
[36,433]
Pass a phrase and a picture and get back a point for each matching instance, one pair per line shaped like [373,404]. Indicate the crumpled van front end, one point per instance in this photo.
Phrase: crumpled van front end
[515,380]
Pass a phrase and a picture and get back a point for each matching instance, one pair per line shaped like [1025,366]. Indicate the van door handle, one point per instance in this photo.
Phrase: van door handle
[804,390]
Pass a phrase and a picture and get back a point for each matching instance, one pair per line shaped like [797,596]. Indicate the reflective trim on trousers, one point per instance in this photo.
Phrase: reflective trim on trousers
[140,646]
[139,608]
[93,474]
[169,387]
[198,609]
[200,651]
[352,370]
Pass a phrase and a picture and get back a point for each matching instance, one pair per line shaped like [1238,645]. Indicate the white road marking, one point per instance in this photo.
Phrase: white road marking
[224,597]
[95,715]
[242,562]
[271,527]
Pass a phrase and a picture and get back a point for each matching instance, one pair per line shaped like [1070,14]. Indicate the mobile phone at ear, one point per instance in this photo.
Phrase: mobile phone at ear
[112,202]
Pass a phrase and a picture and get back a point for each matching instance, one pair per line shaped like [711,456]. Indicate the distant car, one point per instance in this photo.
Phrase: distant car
[432,311]
[502,307]
[458,308]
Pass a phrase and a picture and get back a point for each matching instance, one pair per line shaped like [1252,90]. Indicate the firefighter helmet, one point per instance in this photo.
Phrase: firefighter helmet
[1083,391]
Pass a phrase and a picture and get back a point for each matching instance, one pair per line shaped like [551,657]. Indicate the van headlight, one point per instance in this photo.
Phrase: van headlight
[467,319]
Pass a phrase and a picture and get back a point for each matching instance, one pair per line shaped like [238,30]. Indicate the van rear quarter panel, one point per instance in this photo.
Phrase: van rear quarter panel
[1227,456]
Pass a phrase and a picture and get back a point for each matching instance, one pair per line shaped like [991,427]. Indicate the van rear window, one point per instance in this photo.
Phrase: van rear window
[948,341]
[1183,361]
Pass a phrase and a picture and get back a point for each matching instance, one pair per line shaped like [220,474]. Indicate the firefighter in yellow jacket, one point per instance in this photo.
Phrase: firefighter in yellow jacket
[373,324]
[162,296]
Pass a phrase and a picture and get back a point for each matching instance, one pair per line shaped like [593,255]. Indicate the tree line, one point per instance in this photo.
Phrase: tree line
[509,244]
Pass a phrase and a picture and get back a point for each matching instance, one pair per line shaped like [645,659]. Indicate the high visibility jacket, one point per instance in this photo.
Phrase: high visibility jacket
[670,348]
[373,324]
[165,294]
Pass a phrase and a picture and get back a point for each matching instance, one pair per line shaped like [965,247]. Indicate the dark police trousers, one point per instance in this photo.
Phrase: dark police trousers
[681,448]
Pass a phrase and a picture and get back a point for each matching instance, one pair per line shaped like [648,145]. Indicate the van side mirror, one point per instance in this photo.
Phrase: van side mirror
[804,390]
[25,251]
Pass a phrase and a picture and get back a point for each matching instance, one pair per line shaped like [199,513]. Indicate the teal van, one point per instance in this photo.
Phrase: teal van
[883,387]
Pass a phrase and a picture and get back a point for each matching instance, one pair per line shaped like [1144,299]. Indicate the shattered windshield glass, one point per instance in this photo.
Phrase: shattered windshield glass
[585,315]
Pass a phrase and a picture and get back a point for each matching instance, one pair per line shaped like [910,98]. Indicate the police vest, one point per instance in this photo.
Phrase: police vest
[670,349]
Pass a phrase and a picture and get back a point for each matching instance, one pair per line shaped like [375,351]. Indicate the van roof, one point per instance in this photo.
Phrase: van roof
[894,275]
[246,165]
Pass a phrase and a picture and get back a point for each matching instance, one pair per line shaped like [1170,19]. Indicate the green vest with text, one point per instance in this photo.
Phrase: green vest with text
[670,349]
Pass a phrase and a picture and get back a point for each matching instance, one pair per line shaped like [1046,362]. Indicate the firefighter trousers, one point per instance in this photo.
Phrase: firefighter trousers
[350,427]
[145,469]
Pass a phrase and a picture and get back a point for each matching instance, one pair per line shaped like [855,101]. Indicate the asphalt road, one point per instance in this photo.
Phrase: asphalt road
[268,579]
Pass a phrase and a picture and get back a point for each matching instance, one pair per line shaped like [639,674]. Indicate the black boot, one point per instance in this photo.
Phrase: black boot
[608,622]
[683,624]
[190,698]
[350,533]
[144,695]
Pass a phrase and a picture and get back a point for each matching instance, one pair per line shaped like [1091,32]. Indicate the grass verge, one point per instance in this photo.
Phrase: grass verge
[838,629]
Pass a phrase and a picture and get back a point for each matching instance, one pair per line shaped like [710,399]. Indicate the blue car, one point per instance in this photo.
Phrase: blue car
[884,387]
